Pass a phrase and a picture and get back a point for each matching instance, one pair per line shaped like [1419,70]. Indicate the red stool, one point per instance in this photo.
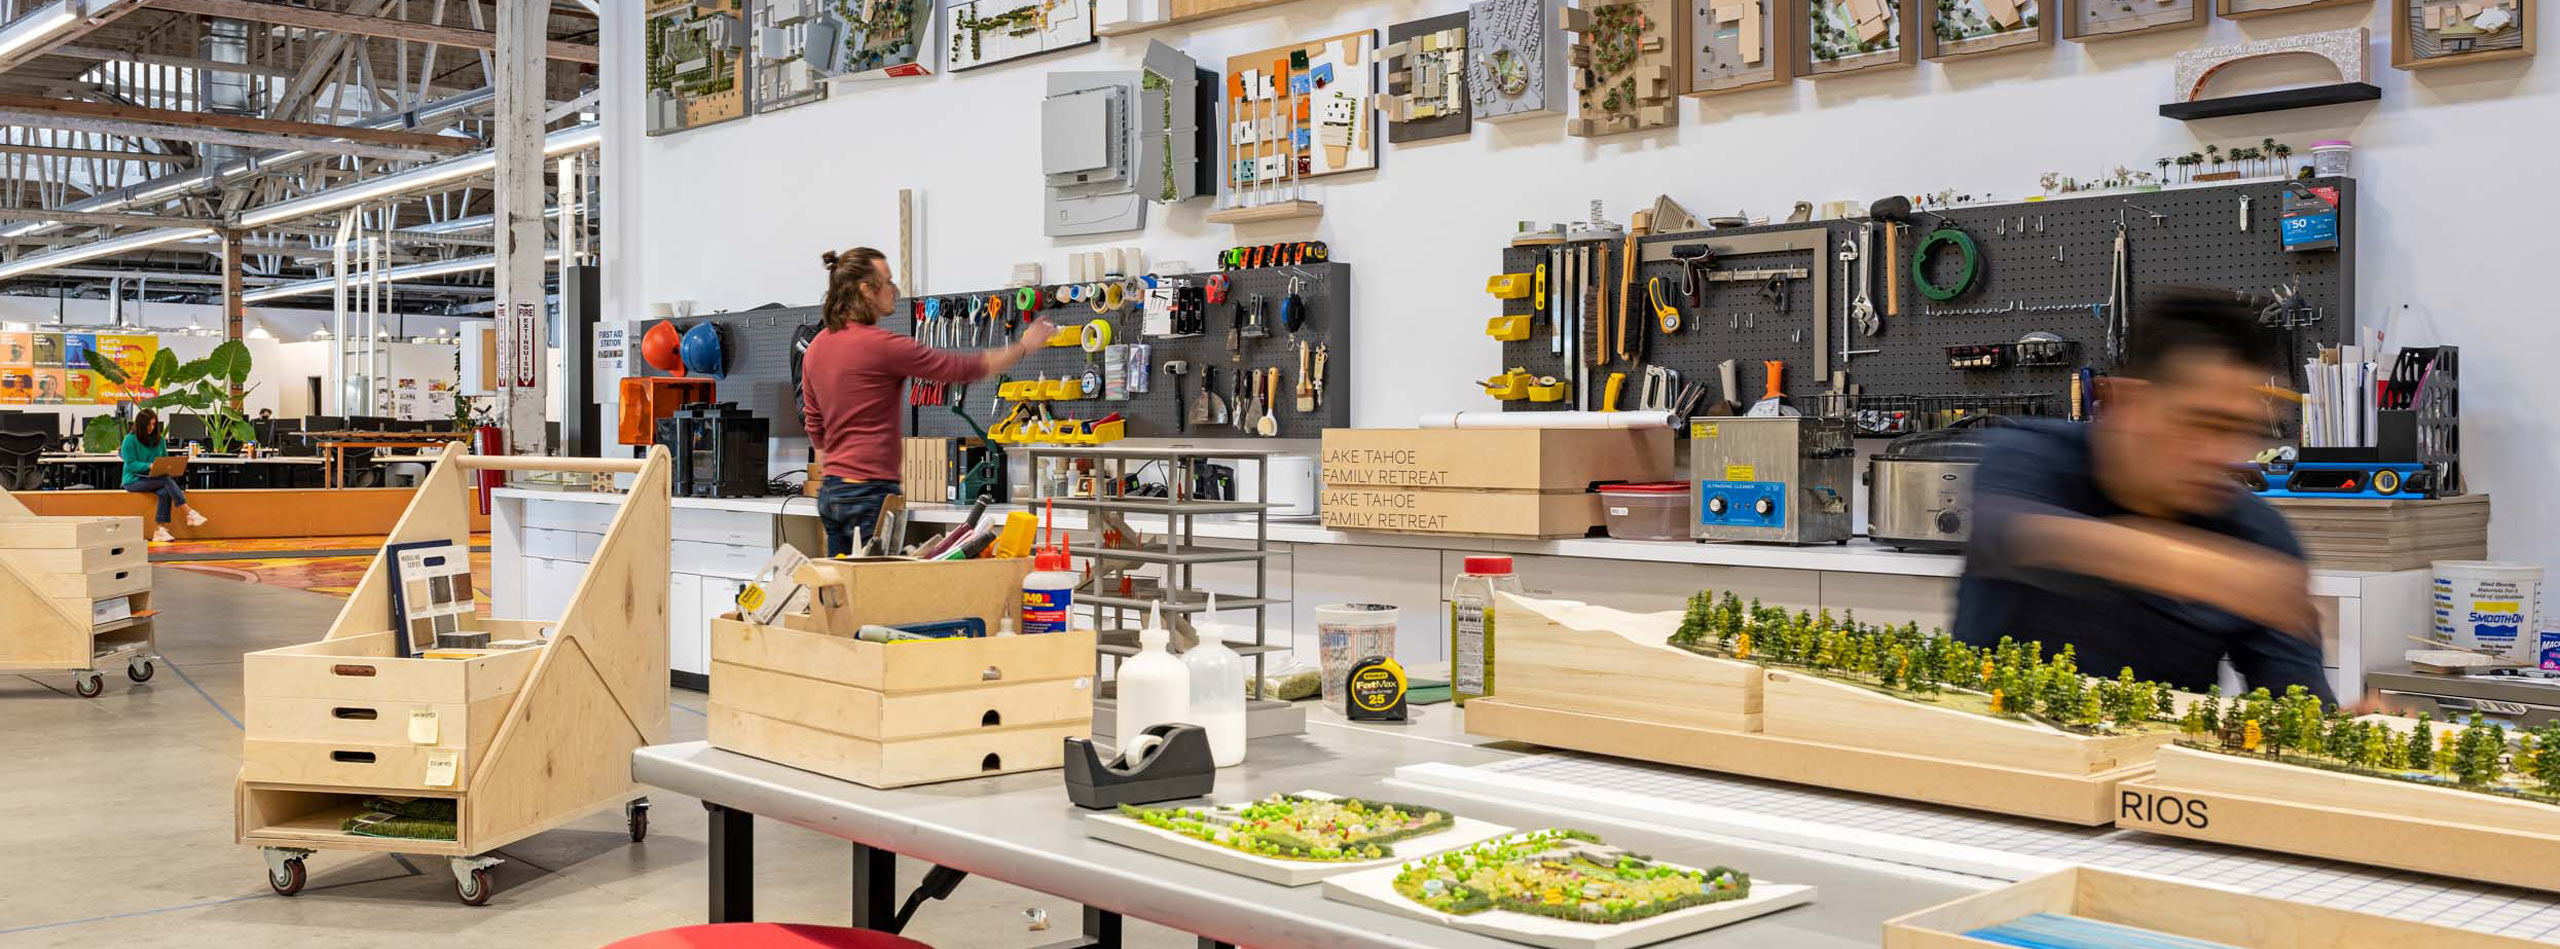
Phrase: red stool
[766,936]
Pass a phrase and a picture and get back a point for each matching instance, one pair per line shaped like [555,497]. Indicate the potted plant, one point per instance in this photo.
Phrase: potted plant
[103,434]
[211,389]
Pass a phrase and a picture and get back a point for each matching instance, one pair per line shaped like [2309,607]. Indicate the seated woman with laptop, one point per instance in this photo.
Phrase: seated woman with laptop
[150,469]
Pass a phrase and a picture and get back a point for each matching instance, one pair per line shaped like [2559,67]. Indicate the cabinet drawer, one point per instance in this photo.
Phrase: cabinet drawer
[712,526]
[350,764]
[863,713]
[898,668]
[103,584]
[357,670]
[32,531]
[895,763]
[734,561]
[561,545]
[584,516]
[111,555]
[373,723]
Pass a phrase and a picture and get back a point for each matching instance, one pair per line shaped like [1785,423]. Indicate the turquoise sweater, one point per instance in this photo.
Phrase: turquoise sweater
[138,456]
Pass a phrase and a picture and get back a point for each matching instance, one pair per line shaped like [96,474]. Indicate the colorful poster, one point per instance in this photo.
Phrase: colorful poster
[17,384]
[133,355]
[51,386]
[75,350]
[48,350]
[17,350]
[80,387]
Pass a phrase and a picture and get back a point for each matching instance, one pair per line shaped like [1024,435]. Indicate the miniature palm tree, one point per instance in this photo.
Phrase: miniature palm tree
[2266,148]
[2283,154]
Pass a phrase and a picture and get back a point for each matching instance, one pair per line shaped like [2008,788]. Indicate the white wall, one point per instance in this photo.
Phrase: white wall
[735,215]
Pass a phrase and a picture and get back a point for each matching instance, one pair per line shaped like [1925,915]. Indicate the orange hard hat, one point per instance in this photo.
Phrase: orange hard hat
[658,347]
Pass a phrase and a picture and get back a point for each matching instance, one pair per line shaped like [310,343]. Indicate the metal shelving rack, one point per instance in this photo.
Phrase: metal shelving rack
[1177,549]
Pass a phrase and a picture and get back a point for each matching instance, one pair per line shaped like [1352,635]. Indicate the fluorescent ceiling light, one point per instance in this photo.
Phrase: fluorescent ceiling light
[143,240]
[37,27]
[555,145]
[441,268]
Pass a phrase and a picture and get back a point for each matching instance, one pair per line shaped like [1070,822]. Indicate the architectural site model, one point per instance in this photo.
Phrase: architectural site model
[1566,889]
[1290,839]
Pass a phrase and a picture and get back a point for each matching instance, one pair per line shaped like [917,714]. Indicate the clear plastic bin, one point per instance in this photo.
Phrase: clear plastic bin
[1657,510]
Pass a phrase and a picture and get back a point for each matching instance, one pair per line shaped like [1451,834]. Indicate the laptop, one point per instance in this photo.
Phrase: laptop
[169,466]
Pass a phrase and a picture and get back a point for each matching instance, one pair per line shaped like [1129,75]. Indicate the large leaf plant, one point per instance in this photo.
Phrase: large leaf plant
[211,388]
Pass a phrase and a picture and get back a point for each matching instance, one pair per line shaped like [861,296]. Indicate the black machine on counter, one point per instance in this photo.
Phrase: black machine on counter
[1920,489]
[719,449]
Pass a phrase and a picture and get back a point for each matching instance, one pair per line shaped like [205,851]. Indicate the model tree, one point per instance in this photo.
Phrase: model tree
[2422,744]
[2283,155]
[2475,753]
[2546,765]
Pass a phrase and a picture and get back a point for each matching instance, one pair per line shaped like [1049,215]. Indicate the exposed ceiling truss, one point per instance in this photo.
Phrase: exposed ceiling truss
[134,134]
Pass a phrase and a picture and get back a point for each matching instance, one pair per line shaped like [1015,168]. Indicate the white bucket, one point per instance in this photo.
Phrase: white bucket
[1347,633]
[2489,606]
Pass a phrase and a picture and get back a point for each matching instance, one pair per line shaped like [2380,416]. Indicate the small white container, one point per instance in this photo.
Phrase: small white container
[1347,633]
[2332,158]
[1154,687]
[2489,606]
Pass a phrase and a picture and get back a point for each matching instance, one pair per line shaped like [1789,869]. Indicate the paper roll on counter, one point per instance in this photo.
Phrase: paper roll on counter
[1595,420]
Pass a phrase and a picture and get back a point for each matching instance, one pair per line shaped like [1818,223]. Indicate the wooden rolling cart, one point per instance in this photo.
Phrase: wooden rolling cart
[77,591]
[521,741]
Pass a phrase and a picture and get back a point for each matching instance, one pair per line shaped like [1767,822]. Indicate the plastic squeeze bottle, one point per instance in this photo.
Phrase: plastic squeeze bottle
[1471,624]
[1217,691]
[1155,687]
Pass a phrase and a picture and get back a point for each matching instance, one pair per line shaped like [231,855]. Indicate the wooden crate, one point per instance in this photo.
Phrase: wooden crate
[2269,805]
[68,532]
[2178,909]
[1468,511]
[95,585]
[2356,534]
[543,735]
[892,591]
[95,557]
[1570,676]
[1547,460]
[898,714]
[76,591]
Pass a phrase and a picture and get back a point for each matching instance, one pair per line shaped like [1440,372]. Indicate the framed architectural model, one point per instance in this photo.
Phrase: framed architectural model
[888,38]
[1426,80]
[695,72]
[2086,21]
[985,32]
[1625,56]
[1515,60]
[1960,29]
[1302,110]
[1740,45]
[797,46]
[2425,34]
[1851,36]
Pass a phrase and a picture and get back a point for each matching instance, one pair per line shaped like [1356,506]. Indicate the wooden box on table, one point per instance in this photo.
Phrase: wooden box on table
[804,692]
[1484,482]
[2219,916]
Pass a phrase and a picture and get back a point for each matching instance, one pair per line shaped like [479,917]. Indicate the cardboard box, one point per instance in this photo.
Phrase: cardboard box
[1429,511]
[1549,460]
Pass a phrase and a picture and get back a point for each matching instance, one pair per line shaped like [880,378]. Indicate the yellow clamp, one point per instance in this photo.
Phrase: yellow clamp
[1509,386]
[1510,286]
[1509,329]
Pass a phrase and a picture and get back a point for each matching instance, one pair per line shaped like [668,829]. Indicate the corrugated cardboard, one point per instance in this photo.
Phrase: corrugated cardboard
[1428,511]
[1552,460]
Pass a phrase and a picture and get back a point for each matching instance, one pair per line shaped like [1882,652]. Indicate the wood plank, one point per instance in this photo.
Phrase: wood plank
[1563,655]
[2077,799]
[1800,705]
[253,512]
[90,559]
[904,667]
[41,633]
[565,749]
[2212,914]
[2234,774]
[361,25]
[420,141]
[620,607]
[61,532]
[892,764]
[864,713]
[436,511]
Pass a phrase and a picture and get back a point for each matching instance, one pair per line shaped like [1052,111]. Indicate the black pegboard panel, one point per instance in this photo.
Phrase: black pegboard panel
[2198,240]
[757,344]
[1326,288]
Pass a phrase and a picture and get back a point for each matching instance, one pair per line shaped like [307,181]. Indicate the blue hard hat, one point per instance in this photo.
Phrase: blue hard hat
[701,350]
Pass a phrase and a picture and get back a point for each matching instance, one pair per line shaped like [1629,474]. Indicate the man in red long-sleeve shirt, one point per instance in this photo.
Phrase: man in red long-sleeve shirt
[852,386]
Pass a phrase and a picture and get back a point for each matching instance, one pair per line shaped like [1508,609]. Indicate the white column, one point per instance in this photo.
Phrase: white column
[521,85]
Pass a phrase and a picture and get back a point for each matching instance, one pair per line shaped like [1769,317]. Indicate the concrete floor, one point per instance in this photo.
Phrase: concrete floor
[116,828]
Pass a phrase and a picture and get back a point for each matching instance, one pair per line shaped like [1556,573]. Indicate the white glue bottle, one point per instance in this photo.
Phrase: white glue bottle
[1217,690]
[1155,687]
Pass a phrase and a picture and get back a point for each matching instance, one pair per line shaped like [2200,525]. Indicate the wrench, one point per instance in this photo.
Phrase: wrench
[1863,309]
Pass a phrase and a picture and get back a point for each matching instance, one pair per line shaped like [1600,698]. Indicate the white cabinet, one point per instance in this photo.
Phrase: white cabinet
[689,632]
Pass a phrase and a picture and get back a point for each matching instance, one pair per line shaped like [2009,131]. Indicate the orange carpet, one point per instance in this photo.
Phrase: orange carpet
[271,561]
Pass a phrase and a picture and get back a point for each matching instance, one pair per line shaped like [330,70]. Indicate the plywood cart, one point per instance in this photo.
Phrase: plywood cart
[520,740]
[77,594]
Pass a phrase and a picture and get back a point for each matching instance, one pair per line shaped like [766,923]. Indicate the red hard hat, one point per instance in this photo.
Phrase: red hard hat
[658,347]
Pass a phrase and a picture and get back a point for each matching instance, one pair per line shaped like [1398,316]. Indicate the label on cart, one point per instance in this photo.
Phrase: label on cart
[1045,611]
[422,726]
[441,766]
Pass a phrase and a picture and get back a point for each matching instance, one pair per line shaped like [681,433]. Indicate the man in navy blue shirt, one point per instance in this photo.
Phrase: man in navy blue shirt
[2127,538]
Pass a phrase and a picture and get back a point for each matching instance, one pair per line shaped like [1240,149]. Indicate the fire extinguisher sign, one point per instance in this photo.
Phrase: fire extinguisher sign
[526,358]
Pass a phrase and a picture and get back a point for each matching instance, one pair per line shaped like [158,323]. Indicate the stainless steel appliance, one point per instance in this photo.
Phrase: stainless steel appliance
[2515,701]
[1783,479]
[1920,488]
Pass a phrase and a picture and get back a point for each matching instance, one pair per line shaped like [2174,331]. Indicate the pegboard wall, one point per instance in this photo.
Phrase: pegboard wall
[758,346]
[2197,239]
[1326,288]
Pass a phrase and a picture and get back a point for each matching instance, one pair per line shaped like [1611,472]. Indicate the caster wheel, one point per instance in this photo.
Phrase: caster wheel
[638,816]
[139,671]
[289,881]
[476,892]
[89,684]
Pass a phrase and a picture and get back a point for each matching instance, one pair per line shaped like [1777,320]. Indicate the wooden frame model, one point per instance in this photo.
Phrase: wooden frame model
[993,40]
[2243,802]
[2247,9]
[669,106]
[1817,18]
[522,740]
[1759,55]
[1642,87]
[2031,27]
[2119,22]
[2218,916]
[61,582]
[2411,22]
[1605,681]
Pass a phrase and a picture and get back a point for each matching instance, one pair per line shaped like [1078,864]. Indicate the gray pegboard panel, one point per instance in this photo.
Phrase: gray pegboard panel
[757,344]
[2199,241]
[1326,288]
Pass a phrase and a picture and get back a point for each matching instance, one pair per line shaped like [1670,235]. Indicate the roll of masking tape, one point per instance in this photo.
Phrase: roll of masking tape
[1096,335]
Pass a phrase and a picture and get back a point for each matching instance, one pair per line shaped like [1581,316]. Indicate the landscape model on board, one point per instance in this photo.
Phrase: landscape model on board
[2010,680]
[1847,35]
[694,69]
[2295,729]
[1563,874]
[1293,827]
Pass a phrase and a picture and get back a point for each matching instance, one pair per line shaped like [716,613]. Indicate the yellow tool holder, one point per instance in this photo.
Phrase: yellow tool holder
[1067,337]
[1510,286]
[1042,390]
[1510,386]
[1509,329]
[1547,389]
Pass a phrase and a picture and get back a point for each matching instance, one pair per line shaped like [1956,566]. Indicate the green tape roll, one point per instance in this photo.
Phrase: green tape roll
[1965,250]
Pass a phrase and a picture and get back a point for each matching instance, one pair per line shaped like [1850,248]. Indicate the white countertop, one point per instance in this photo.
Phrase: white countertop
[1857,556]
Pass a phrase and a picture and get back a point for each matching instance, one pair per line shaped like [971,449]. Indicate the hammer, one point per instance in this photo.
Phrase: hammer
[1892,212]
[1177,368]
